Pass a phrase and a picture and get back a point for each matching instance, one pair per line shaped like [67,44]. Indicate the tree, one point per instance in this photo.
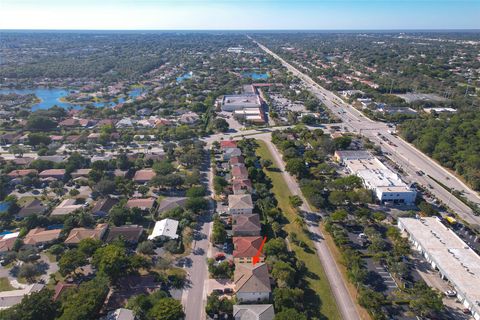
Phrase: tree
[286,298]
[220,125]
[70,261]
[111,260]
[35,306]
[371,300]
[36,139]
[289,314]
[40,123]
[295,201]
[166,309]
[219,234]
[28,271]
[85,302]
[105,187]
[146,247]
[88,246]
[196,204]
[297,167]
[425,300]
[219,184]
[218,306]
[199,191]
[284,274]
[339,215]
[163,167]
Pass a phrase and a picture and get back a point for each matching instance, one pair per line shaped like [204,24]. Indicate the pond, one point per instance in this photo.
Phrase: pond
[51,96]
[256,76]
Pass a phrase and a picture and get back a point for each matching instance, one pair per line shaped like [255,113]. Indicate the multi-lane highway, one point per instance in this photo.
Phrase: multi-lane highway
[410,159]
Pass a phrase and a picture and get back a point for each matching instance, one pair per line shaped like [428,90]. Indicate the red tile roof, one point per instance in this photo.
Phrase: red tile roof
[246,247]
[228,144]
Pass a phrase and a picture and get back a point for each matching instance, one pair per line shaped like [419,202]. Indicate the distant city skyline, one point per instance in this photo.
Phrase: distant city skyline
[239,15]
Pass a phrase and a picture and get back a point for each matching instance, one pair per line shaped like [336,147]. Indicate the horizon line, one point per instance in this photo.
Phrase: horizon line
[266,29]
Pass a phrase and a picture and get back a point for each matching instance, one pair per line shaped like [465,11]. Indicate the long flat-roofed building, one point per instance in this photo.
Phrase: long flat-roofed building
[387,185]
[446,252]
[231,103]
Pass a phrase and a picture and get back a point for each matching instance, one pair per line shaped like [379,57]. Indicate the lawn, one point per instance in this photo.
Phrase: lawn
[5,285]
[317,279]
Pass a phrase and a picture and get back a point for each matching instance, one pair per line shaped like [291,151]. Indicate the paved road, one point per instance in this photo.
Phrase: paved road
[194,296]
[405,154]
[342,296]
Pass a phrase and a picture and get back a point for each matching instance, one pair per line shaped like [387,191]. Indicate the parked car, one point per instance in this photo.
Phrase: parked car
[228,291]
[219,257]
[217,291]
[451,293]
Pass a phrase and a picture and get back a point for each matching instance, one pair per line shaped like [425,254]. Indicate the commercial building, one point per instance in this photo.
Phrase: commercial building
[231,103]
[445,251]
[386,185]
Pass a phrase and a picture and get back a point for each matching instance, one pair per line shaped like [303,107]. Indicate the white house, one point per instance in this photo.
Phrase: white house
[165,228]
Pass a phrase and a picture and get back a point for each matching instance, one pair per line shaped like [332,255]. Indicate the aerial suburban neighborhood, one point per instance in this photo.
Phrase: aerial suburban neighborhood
[239,175]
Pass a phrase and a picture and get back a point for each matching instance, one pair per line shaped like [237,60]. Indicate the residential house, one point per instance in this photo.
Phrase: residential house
[252,282]
[241,186]
[65,207]
[58,174]
[33,206]
[253,312]
[7,241]
[21,173]
[23,161]
[236,161]
[228,144]
[240,204]
[78,234]
[129,233]
[189,118]
[166,228]
[145,204]
[245,248]
[54,159]
[230,153]
[81,173]
[144,176]
[13,297]
[171,203]
[245,225]
[41,236]
[239,172]
[103,206]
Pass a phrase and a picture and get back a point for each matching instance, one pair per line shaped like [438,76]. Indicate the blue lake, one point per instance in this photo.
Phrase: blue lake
[51,96]
[256,76]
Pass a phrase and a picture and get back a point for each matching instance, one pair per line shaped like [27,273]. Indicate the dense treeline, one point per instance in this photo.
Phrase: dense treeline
[453,140]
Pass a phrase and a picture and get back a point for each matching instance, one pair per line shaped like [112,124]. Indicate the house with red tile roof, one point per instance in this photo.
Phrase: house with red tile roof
[144,175]
[78,234]
[239,172]
[141,203]
[39,236]
[53,173]
[245,248]
[225,144]
[241,186]
[21,173]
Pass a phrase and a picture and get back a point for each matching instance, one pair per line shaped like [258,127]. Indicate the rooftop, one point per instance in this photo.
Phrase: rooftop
[165,228]
[457,261]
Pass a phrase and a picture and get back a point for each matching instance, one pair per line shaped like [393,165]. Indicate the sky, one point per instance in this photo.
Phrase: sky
[239,14]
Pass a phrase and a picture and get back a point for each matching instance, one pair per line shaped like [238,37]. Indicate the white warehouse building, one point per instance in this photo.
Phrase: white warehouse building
[387,185]
[445,251]
[232,103]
